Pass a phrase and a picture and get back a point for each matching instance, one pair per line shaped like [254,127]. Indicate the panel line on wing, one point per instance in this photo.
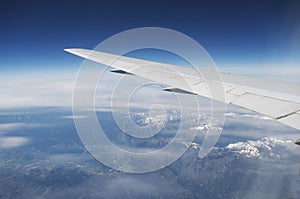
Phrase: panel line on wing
[269,106]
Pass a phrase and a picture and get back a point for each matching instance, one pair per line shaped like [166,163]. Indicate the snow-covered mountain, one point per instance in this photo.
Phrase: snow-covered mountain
[266,147]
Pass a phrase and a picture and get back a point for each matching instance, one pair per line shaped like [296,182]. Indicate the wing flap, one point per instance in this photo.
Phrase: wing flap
[272,107]
[291,120]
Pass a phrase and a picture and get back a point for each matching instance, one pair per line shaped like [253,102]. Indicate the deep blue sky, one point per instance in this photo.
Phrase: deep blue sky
[34,33]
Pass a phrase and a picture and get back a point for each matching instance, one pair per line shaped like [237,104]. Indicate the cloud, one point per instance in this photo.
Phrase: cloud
[74,116]
[254,116]
[7,141]
[36,90]
[56,90]
[12,142]
[119,185]
[6,127]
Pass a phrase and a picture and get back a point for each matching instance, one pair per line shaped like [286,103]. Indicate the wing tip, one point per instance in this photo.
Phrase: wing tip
[69,50]
[72,50]
[81,52]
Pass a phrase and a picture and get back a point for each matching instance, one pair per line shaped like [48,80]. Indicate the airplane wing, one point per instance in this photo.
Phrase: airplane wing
[276,99]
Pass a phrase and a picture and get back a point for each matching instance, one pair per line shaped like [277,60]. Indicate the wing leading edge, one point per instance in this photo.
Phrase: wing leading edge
[276,99]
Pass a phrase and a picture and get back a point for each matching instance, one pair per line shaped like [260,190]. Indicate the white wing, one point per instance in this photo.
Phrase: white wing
[276,99]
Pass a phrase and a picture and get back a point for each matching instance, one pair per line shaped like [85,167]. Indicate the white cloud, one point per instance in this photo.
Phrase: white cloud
[7,141]
[56,89]
[254,116]
[75,116]
[12,142]
[35,90]
[4,128]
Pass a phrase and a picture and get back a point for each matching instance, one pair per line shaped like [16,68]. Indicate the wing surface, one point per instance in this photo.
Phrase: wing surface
[276,99]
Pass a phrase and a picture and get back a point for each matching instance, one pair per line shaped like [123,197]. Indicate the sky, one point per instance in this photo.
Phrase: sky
[244,35]
[235,33]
